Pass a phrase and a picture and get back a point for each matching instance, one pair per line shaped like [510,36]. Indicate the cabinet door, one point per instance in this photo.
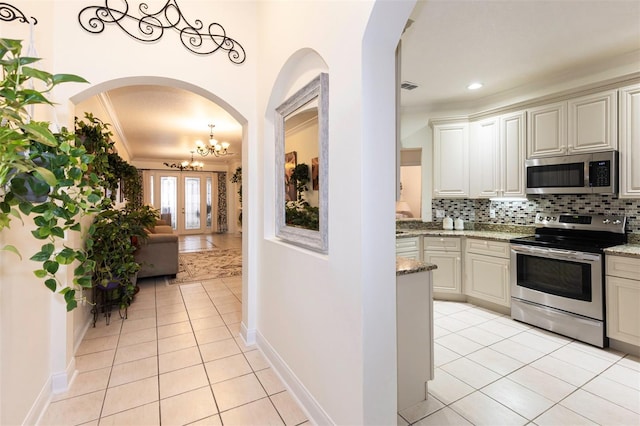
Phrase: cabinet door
[547,130]
[623,310]
[451,160]
[484,159]
[447,277]
[593,123]
[487,278]
[630,141]
[512,143]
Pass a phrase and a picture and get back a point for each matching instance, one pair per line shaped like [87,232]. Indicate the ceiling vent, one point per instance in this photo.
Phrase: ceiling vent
[407,85]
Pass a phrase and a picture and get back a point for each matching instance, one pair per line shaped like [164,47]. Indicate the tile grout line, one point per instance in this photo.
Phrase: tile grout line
[210,386]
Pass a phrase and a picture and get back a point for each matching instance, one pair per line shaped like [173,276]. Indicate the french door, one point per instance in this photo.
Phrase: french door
[185,197]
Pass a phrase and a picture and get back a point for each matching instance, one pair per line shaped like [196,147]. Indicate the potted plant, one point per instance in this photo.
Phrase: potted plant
[300,213]
[47,163]
[111,248]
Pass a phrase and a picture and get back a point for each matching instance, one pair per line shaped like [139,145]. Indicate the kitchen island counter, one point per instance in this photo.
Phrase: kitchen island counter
[405,266]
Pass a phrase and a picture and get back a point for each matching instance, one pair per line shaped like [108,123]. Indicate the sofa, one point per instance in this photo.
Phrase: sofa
[158,254]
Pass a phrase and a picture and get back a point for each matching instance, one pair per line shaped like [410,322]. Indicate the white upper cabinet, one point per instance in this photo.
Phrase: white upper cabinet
[630,141]
[579,125]
[513,145]
[451,160]
[497,154]
[484,158]
[547,130]
[593,122]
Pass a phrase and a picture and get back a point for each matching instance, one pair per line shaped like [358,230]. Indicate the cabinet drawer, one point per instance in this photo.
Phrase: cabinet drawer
[488,248]
[441,244]
[624,267]
[407,244]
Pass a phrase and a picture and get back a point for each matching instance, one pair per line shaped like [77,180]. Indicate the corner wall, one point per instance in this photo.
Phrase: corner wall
[329,320]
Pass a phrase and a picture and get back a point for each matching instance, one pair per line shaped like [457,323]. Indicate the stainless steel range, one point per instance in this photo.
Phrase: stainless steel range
[557,275]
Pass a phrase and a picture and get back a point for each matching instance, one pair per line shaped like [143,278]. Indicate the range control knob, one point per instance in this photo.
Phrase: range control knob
[617,222]
[606,221]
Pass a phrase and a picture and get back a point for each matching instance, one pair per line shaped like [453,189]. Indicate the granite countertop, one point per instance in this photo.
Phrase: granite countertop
[628,250]
[485,235]
[405,266]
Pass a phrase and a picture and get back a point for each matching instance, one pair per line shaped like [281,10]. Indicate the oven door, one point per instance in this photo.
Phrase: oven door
[562,279]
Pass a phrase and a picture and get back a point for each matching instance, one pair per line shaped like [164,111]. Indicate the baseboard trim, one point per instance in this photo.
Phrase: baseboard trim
[61,381]
[247,335]
[315,413]
[39,405]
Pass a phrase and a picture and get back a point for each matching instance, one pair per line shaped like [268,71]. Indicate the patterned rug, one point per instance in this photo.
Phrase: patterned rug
[207,265]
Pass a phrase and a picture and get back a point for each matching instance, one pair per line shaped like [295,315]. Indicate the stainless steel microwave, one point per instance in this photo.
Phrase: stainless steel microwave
[595,173]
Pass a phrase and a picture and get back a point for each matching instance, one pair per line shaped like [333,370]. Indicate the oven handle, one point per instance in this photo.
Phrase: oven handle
[557,253]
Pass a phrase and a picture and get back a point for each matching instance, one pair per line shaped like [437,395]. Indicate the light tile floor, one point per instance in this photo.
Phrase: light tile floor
[176,360]
[491,370]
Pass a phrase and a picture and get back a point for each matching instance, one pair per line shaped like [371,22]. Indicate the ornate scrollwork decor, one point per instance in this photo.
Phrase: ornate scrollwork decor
[150,27]
[11,13]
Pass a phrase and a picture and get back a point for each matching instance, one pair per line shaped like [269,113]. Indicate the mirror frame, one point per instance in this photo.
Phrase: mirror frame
[307,238]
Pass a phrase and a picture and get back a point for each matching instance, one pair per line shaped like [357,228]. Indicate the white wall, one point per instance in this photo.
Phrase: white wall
[330,319]
[31,366]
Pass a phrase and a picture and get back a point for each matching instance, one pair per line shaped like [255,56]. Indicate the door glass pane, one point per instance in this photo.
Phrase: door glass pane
[169,197]
[209,202]
[192,203]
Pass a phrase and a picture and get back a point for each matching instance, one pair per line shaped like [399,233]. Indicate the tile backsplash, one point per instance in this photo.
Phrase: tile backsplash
[523,212]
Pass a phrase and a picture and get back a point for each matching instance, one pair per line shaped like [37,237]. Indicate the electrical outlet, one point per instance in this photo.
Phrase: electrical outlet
[439,213]
[492,213]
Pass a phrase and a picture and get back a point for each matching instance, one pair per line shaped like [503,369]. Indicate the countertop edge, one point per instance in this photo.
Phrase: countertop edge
[406,266]
[485,235]
[625,250]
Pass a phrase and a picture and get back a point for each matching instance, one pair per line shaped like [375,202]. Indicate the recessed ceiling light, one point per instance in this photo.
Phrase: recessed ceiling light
[474,86]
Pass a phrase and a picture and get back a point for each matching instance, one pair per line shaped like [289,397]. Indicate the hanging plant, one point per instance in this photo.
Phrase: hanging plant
[50,165]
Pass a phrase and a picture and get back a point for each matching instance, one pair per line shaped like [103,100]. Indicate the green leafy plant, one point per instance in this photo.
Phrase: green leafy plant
[300,176]
[112,249]
[300,213]
[43,174]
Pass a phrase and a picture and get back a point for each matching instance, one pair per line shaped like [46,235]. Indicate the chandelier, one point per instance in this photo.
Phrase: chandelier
[186,164]
[216,148]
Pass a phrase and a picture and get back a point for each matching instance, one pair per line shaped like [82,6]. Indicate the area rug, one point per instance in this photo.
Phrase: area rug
[207,265]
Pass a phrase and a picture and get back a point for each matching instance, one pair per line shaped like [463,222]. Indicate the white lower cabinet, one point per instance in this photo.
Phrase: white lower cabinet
[486,267]
[623,299]
[444,253]
[409,247]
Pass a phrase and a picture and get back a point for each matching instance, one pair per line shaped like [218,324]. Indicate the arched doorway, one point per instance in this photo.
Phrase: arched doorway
[189,109]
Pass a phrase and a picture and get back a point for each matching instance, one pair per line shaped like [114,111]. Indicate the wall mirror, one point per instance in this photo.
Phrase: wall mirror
[301,126]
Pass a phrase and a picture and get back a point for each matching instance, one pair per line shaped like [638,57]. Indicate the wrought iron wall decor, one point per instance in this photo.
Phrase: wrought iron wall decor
[150,27]
[10,13]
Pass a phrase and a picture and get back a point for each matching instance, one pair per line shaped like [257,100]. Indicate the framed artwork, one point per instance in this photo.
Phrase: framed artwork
[290,163]
[315,180]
